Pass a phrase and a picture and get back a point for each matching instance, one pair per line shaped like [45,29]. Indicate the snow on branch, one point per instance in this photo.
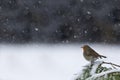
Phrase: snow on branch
[102,74]
[99,71]
[94,67]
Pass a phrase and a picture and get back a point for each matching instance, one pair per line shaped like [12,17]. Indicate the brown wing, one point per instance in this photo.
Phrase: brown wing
[94,53]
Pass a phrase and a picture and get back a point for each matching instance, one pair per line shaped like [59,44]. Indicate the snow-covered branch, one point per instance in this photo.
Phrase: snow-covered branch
[99,71]
[111,64]
[102,74]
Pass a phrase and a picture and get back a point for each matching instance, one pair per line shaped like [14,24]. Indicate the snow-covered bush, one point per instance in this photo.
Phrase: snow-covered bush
[100,71]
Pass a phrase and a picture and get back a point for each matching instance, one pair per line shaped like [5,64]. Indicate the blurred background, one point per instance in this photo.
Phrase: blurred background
[59,21]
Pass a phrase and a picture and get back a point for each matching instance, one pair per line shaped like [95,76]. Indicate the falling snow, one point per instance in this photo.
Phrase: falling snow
[39,2]
[85,31]
[88,12]
[36,29]
[81,0]
[75,36]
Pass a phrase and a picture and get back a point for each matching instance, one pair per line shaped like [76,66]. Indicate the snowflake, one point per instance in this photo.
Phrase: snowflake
[85,31]
[39,2]
[88,12]
[75,36]
[81,0]
[36,29]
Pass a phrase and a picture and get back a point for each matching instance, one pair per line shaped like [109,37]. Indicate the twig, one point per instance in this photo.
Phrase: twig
[111,64]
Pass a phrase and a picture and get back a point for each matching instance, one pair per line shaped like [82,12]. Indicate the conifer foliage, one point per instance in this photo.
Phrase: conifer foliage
[100,71]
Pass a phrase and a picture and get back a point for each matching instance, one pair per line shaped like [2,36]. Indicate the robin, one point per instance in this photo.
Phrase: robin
[90,54]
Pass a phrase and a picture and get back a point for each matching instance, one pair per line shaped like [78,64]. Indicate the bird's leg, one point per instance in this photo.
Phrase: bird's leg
[92,62]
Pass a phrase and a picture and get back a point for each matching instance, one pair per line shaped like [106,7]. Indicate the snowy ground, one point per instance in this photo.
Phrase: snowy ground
[48,62]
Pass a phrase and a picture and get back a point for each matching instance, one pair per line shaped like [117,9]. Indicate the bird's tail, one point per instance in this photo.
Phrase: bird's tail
[101,56]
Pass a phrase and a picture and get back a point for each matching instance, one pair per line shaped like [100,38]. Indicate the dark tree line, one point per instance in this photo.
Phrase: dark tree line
[23,21]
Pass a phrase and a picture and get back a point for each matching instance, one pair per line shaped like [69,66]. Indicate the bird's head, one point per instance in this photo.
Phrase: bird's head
[85,47]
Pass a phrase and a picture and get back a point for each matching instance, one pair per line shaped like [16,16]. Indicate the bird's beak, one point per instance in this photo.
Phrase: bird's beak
[82,47]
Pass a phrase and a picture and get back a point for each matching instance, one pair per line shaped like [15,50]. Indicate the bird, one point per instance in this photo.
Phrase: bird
[90,54]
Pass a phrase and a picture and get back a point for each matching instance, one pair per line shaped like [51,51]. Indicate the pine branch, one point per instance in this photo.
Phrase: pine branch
[102,74]
[97,71]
